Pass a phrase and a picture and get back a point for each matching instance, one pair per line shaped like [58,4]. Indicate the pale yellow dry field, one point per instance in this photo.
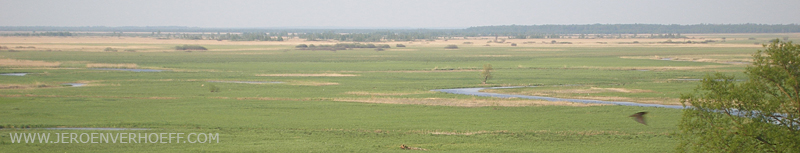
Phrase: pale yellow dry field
[27,63]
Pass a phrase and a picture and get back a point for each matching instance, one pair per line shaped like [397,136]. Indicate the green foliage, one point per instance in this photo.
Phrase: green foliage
[768,104]
[451,47]
[486,74]
[190,47]
[400,45]
[213,88]
[301,46]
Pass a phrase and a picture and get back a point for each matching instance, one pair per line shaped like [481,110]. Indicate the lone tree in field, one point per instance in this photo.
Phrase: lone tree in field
[760,115]
[487,72]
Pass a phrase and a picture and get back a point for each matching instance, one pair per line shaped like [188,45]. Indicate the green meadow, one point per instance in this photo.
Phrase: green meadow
[327,113]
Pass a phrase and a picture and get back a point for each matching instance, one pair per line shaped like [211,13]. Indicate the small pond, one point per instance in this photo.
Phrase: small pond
[14,74]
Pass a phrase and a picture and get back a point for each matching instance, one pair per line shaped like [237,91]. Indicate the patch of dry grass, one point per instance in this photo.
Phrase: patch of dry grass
[462,102]
[658,68]
[14,86]
[27,63]
[736,59]
[574,94]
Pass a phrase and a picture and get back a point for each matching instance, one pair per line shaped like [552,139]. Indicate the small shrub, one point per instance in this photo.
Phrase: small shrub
[130,50]
[751,38]
[467,42]
[400,45]
[213,88]
[109,49]
[513,44]
[451,47]
[378,49]
[190,47]
[301,46]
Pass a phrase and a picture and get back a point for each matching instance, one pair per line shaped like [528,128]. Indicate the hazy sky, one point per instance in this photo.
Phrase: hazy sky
[390,13]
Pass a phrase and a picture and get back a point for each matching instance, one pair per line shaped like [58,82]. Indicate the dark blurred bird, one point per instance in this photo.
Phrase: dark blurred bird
[639,117]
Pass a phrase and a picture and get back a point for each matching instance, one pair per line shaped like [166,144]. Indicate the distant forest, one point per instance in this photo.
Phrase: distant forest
[377,35]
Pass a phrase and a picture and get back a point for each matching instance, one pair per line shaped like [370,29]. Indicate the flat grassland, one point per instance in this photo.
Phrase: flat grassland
[358,100]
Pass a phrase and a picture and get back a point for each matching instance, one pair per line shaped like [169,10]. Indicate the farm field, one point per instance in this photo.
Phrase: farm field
[271,97]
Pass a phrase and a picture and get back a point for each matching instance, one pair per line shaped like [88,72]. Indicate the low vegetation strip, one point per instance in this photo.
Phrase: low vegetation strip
[461,102]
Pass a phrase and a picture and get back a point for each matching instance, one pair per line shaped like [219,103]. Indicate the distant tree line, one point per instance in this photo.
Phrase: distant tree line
[40,34]
[508,30]
[588,31]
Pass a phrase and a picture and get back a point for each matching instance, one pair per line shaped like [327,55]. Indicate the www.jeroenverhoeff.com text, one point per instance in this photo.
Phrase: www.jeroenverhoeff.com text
[114,137]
